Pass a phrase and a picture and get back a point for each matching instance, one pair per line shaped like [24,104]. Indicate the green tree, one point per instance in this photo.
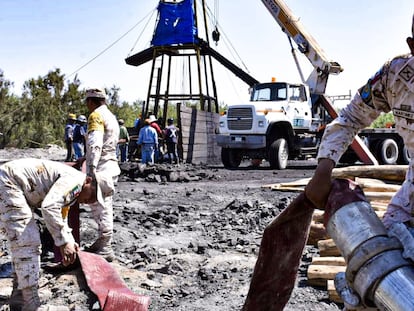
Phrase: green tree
[384,120]
[9,109]
[39,115]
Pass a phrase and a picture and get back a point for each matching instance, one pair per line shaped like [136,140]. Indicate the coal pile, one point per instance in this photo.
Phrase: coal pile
[186,236]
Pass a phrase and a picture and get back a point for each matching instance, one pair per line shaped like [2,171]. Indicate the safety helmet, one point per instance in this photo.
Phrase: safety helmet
[72,116]
[121,121]
[82,119]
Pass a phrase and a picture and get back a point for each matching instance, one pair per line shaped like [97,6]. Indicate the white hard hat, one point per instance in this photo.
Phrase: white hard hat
[82,119]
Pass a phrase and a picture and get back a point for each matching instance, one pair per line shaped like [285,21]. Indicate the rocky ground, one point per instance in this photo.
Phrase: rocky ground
[186,236]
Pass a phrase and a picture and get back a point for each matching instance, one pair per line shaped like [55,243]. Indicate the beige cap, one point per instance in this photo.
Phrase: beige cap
[105,187]
[96,93]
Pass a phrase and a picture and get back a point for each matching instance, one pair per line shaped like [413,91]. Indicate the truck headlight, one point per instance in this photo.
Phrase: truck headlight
[261,124]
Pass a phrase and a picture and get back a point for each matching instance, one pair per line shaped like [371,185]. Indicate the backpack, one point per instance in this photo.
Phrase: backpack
[171,135]
[77,134]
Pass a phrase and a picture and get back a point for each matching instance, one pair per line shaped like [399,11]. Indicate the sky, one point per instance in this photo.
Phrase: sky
[92,38]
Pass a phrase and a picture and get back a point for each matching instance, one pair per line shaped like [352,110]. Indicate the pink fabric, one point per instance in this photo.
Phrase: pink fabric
[104,281]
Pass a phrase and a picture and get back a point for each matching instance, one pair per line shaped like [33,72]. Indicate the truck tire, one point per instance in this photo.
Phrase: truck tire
[387,152]
[279,154]
[404,156]
[230,158]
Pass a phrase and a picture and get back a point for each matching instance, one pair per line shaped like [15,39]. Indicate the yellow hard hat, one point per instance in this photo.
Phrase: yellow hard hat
[72,116]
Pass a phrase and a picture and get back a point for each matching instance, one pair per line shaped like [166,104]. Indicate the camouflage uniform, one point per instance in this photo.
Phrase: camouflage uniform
[27,184]
[390,89]
[102,140]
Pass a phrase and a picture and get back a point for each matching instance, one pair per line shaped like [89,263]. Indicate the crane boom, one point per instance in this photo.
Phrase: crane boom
[306,44]
[322,66]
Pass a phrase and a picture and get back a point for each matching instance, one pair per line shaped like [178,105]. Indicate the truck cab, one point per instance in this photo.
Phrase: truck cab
[276,125]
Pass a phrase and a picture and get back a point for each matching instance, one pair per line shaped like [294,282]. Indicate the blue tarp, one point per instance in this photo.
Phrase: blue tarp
[176,24]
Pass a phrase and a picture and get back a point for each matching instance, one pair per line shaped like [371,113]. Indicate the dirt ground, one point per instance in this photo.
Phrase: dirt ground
[186,236]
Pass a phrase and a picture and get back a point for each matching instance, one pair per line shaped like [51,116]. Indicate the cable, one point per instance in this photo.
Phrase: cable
[110,46]
[228,41]
[133,47]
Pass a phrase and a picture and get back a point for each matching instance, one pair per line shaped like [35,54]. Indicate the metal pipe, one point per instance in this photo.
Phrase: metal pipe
[377,269]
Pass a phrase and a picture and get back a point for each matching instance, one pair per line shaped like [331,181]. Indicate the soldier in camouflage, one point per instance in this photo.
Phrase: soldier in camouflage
[101,144]
[26,185]
[390,89]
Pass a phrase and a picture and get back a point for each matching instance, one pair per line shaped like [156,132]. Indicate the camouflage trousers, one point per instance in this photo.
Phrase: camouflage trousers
[18,223]
[104,215]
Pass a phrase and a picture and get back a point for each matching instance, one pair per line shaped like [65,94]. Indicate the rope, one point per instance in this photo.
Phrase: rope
[112,44]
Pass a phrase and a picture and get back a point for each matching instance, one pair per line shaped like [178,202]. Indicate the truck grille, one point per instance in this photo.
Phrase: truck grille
[240,118]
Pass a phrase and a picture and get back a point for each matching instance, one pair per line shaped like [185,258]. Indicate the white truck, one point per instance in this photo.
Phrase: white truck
[285,121]
[277,125]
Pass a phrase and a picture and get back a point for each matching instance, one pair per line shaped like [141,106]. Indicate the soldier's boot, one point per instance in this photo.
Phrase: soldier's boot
[102,246]
[16,297]
[31,298]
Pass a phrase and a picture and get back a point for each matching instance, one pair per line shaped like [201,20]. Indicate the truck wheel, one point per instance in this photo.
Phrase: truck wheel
[404,156]
[279,154]
[230,158]
[388,151]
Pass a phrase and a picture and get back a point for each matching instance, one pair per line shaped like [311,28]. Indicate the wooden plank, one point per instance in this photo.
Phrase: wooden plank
[379,196]
[330,261]
[197,137]
[379,206]
[362,180]
[202,149]
[333,294]
[318,275]
[298,182]
[195,141]
[328,248]
[384,172]
[376,187]
[317,232]
[288,188]
[318,216]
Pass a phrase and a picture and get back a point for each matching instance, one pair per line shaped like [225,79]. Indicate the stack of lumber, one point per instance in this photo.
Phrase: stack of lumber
[379,184]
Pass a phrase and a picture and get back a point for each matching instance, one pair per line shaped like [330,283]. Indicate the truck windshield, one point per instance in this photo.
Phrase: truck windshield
[269,92]
[278,92]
